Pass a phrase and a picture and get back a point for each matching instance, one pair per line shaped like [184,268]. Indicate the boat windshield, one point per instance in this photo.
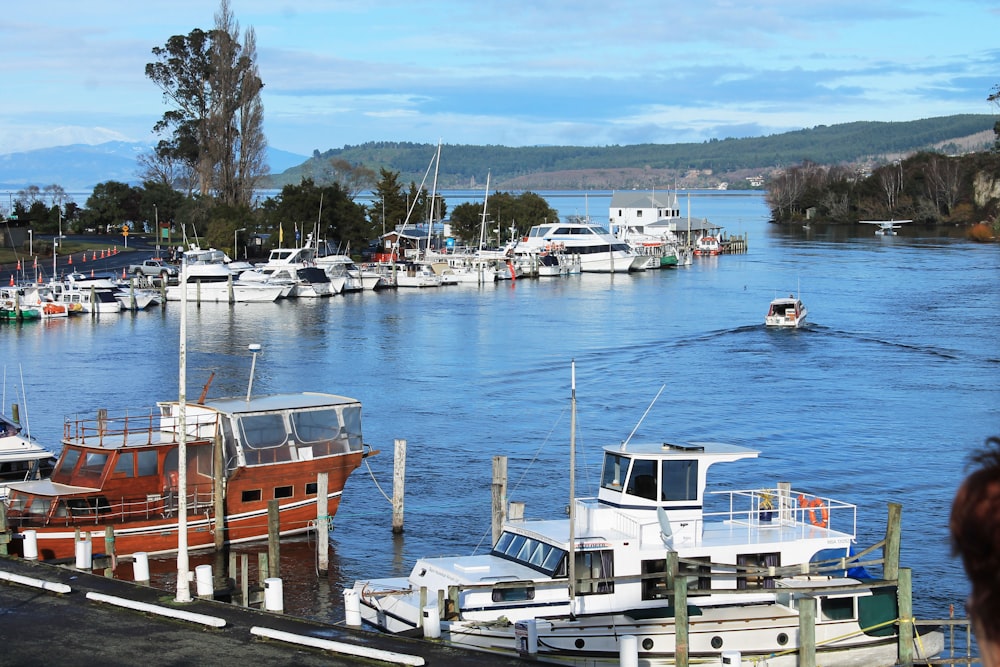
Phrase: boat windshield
[546,558]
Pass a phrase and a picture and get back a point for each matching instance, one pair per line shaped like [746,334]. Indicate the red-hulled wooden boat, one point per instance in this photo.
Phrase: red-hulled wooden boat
[122,472]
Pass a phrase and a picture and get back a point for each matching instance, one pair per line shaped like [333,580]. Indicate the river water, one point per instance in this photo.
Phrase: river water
[881,398]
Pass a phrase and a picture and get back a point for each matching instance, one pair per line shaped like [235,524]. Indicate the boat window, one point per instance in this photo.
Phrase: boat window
[642,479]
[68,462]
[519,594]
[147,463]
[125,465]
[283,492]
[698,576]
[93,464]
[754,577]
[655,584]
[680,480]
[542,556]
[615,467]
[263,431]
[251,496]
[837,609]
[328,431]
[595,571]
[265,439]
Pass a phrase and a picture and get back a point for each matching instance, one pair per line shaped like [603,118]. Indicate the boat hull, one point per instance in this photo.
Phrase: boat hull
[244,521]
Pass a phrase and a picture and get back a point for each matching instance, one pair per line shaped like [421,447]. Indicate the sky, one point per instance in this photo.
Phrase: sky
[512,73]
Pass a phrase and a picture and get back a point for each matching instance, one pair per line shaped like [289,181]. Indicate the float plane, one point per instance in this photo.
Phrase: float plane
[885,227]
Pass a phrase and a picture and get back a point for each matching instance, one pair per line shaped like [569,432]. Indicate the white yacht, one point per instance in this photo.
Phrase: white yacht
[210,279]
[786,312]
[295,267]
[571,590]
[21,456]
[355,278]
[599,251]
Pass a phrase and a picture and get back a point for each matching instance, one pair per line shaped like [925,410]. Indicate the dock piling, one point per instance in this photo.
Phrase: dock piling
[398,483]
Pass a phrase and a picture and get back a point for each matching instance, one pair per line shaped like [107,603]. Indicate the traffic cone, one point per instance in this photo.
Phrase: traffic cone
[18,265]
[91,273]
[71,260]
[102,253]
[12,280]
[123,273]
[84,257]
[94,257]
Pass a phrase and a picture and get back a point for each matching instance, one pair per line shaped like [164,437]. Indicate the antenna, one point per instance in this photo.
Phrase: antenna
[255,348]
[625,443]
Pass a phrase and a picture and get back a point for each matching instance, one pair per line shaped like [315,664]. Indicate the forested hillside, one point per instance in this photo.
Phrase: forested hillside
[644,165]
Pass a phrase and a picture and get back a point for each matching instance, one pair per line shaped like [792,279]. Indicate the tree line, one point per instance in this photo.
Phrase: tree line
[928,188]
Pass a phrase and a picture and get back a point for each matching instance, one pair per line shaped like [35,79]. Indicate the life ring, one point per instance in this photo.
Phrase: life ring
[821,521]
[172,479]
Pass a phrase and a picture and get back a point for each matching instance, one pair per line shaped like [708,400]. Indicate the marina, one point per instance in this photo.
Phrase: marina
[467,372]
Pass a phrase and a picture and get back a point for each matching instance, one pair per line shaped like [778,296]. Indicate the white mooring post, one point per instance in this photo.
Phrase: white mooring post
[398,482]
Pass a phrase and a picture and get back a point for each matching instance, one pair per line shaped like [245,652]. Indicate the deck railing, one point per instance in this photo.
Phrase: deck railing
[142,428]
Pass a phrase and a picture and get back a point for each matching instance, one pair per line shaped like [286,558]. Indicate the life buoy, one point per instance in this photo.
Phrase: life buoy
[172,479]
[812,505]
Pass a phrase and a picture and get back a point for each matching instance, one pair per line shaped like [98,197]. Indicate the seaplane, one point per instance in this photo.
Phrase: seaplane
[885,227]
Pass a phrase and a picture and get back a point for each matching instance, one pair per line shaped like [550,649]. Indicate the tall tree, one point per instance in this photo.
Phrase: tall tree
[215,124]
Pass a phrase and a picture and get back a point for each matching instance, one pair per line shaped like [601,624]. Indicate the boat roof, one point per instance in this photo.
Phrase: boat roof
[46,487]
[701,450]
[273,402]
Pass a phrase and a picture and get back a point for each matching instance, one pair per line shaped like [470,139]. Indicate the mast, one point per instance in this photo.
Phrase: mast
[482,232]
[183,585]
[572,500]
[430,220]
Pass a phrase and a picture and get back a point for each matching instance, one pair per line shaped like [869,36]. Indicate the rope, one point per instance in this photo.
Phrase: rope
[375,481]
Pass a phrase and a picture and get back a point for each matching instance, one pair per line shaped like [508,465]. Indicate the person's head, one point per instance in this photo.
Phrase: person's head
[975,536]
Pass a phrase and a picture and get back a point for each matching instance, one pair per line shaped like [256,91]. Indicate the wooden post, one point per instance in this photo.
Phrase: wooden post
[245,578]
[109,549]
[263,572]
[323,521]
[784,502]
[904,595]
[499,488]
[423,603]
[398,480]
[807,632]
[93,301]
[4,531]
[218,463]
[450,612]
[273,538]
[681,645]
[890,554]
[15,413]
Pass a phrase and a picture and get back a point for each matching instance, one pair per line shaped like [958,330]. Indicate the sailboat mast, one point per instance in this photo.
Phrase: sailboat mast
[430,221]
[572,500]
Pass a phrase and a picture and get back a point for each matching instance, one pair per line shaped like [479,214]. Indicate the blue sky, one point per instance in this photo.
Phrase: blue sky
[510,73]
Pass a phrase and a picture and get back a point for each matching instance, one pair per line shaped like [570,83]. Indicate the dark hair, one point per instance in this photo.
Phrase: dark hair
[975,536]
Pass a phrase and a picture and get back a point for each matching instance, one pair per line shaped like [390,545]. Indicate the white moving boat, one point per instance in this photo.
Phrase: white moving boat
[707,246]
[786,312]
[572,590]
[599,251]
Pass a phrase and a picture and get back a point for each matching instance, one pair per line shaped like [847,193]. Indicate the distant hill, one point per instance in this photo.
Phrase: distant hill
[79,167]
[688,165]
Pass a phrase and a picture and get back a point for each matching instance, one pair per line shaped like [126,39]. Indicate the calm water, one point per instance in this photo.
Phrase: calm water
[880,399]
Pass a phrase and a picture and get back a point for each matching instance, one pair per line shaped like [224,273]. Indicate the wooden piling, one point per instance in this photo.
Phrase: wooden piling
[681,645]
[4,530]
[273,538]
[890,567]
[398,482]
[323,521]
[807,632]
[218,463]
[904,596]
[499,488]
[109,550]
